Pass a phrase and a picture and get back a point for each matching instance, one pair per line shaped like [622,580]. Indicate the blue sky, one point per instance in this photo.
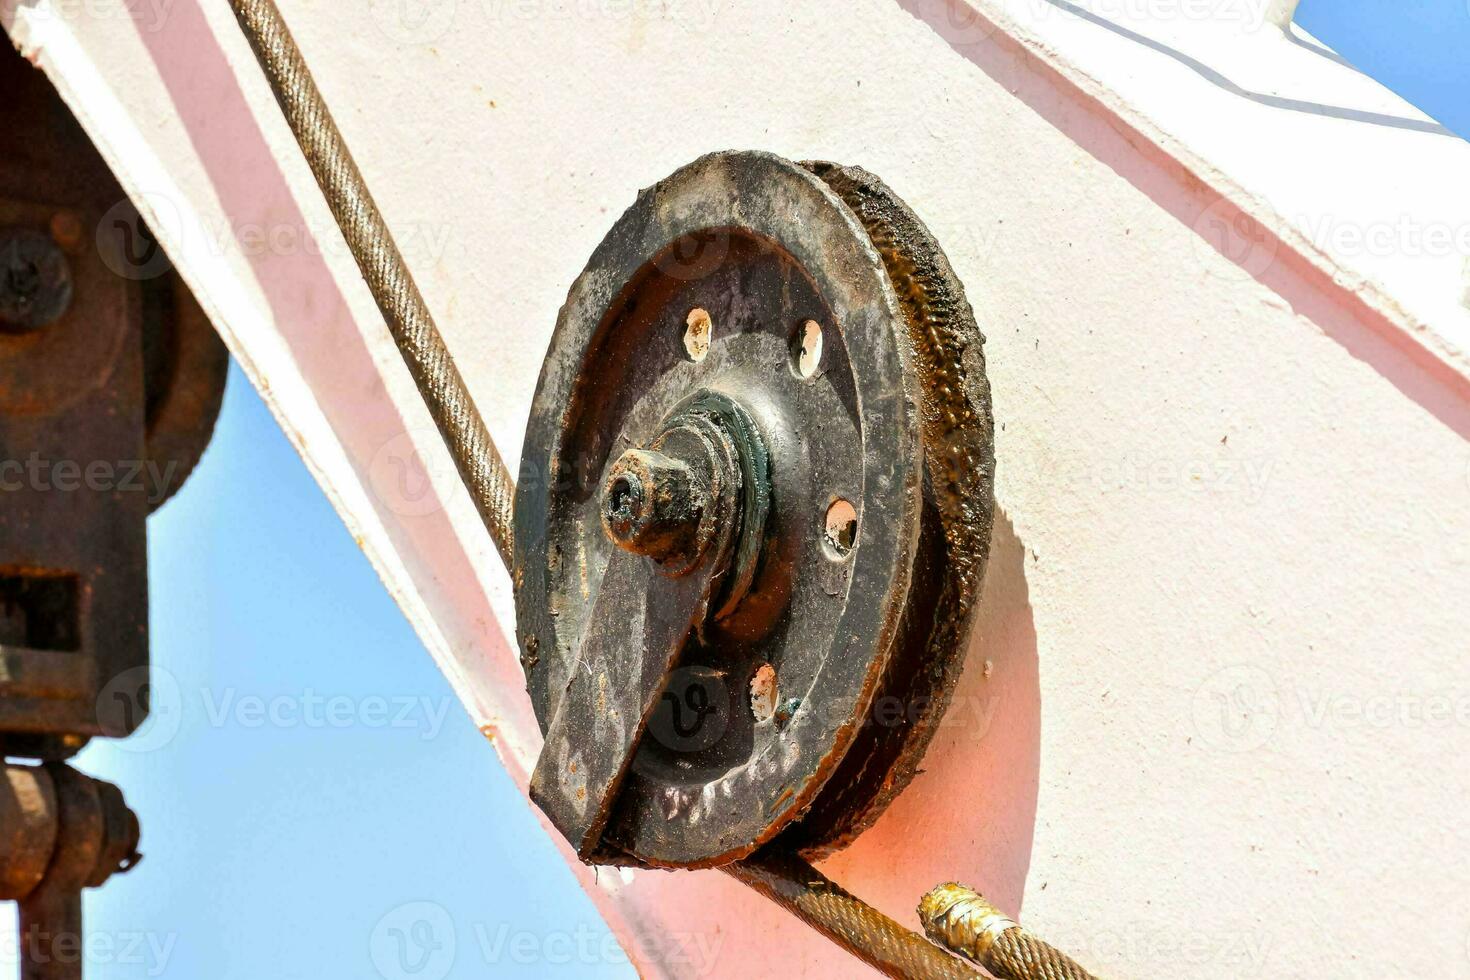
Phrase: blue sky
[315,804]
[1418,48]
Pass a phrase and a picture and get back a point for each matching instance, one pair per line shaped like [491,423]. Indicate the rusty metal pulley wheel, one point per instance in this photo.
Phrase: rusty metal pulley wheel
[753,515]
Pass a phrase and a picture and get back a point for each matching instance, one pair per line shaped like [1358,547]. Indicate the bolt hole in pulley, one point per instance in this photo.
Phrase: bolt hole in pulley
[807,355]
[841,528]
[766,428]
[698,329]
[763,693]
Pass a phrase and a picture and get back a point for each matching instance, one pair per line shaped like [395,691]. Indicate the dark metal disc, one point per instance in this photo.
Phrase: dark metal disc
[776,697]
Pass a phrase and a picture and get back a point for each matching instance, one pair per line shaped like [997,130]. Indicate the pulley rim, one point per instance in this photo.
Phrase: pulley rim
[725,198]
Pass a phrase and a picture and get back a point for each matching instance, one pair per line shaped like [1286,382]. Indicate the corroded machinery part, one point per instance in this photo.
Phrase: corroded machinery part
[111,379]
[812,300]
[60,832]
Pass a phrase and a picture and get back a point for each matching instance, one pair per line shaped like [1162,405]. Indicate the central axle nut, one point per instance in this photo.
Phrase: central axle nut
[652,505]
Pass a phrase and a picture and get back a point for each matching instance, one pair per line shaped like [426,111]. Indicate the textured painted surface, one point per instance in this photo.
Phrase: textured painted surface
[1218,693]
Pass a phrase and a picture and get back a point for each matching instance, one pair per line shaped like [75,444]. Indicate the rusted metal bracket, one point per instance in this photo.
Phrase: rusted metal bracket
[110,382]
[60,832]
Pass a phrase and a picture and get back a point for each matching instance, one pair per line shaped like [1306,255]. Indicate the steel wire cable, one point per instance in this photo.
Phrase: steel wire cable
[964,921]
[392,285]
[847,920]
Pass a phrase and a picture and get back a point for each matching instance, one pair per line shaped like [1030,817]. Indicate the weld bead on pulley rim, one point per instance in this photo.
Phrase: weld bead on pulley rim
[816,308]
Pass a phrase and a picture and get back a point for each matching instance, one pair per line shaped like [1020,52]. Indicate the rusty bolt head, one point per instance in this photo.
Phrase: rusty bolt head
[35,280]
[651,505]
